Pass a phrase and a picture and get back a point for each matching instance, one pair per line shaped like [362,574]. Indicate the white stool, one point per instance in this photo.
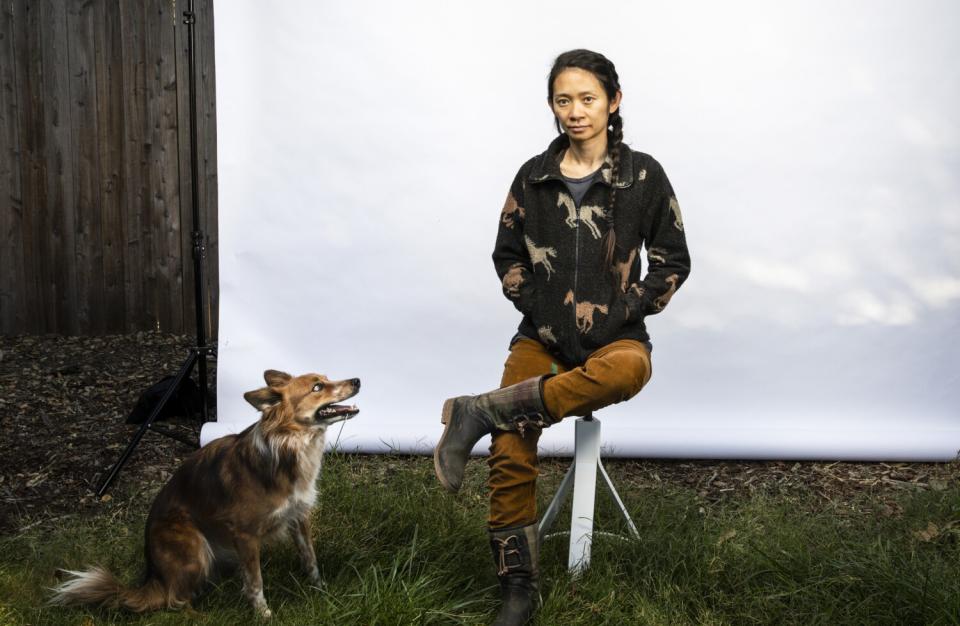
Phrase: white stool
[582,477]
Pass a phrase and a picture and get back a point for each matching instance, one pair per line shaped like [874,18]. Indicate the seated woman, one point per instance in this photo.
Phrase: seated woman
[568,254]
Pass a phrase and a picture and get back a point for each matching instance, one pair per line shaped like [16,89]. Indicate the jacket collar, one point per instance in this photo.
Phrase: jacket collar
[547,165]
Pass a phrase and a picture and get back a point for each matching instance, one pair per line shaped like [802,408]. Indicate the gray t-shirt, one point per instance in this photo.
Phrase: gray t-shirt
[578,186]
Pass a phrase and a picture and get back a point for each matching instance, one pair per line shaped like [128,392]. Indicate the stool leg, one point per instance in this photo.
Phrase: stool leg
[616,498]
[586,460]
[546,522]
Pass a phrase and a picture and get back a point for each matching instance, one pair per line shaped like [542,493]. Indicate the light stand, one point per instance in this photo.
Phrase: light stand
[201,352]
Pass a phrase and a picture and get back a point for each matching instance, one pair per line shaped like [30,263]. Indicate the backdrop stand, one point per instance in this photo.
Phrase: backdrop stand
[201,351]
[582,478]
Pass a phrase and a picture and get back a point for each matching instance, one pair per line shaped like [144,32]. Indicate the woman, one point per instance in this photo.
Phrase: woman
[568,254]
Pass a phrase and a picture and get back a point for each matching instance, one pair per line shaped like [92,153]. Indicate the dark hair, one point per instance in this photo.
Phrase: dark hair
[601,67]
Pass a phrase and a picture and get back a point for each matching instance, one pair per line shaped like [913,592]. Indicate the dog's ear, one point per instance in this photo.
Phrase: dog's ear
[276,378]
[263,398]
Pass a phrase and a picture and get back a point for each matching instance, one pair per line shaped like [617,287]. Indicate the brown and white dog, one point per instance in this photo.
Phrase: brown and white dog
[231,496]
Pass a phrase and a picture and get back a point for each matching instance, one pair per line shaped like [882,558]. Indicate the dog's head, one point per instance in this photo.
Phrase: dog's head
[307,401]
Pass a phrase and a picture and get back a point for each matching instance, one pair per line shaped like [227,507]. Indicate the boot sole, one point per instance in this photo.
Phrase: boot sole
[445,419]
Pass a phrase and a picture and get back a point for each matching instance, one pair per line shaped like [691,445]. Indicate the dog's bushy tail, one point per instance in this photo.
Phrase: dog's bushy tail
[98,586]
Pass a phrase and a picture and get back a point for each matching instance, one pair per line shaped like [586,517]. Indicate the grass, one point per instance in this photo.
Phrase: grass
[394,549]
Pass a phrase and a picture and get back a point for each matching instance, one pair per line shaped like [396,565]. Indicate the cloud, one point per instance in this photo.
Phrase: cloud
[701,318]
[774,274]
[822,285]
[929,132]
[937,292]
[830,265]
[861,307]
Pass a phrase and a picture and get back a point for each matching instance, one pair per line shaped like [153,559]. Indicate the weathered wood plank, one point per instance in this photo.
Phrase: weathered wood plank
[184,182]
[137,279]
[111,145]
[12,278]
[86,157]
[29,72]
[149,170]
[171,177]
[166,205]
[207,133]
[152,216]
[44,236]
[60,167]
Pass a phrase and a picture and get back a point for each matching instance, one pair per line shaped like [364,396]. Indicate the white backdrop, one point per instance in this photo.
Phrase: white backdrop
[365,150]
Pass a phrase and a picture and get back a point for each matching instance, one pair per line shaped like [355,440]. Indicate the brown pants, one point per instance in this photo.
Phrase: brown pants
[614,373]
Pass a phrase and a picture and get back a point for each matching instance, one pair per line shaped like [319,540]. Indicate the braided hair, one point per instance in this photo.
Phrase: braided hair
[601,67]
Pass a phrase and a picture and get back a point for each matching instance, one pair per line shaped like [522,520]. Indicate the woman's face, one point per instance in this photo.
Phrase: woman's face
[581,105]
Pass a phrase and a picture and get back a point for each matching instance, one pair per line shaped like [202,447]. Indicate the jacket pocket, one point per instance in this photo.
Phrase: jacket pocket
[547,324]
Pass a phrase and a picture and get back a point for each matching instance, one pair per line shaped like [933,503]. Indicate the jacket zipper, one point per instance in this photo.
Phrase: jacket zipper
[576,271]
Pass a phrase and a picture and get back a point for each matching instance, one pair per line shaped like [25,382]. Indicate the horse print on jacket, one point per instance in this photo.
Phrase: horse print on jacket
[657,254]
[587,213]
[662,301]
[584,311]
[677,218]
[540,255]
[623,269]
[512,281]
[512,212]
[546,335]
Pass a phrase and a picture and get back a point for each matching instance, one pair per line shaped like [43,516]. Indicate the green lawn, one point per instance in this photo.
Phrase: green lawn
[395,549]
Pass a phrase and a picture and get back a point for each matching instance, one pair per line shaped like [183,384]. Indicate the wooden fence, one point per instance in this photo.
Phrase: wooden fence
[95,184]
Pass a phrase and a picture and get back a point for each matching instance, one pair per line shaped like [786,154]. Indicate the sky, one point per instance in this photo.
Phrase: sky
[365,149]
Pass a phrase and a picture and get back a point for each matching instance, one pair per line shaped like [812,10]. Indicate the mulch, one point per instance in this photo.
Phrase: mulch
[64,400]
[63,406]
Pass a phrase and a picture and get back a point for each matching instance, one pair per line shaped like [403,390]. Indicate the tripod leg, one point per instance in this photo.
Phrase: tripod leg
[202,378]
[616,498]
[546,522]
[183,373]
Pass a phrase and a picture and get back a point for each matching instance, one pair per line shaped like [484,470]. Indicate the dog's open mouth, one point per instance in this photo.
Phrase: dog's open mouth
[336,412]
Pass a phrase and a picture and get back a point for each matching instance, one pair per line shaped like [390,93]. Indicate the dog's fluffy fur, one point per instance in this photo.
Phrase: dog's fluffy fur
[229,497]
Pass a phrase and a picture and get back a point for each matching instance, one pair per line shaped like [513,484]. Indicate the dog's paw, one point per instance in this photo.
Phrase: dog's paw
[260,605]
[314,577]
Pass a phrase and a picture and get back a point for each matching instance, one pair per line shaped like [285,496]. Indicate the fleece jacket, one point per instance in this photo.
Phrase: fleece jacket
[549,259]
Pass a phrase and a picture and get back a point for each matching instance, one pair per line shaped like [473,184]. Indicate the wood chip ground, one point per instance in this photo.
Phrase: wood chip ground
[63,402]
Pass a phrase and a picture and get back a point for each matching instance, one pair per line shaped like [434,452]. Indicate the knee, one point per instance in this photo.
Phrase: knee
[630,371]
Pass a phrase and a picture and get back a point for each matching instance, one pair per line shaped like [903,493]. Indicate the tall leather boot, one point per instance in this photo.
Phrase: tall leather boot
[516,556]
[468,418]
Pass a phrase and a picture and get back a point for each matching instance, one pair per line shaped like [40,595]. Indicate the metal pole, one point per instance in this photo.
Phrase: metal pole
[587,456]
[198,236]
